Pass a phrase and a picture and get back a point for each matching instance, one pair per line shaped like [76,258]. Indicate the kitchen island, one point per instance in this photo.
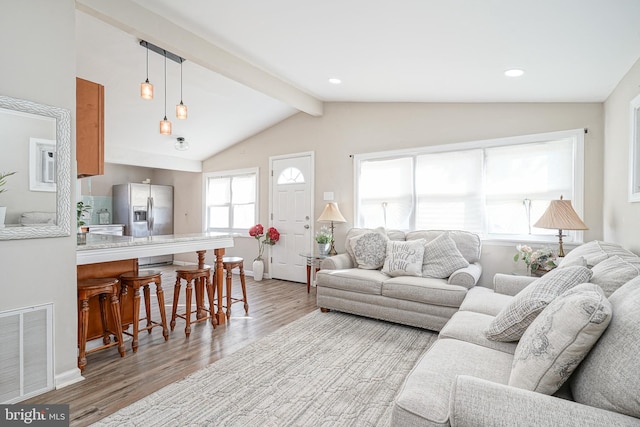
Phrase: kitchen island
[110,256]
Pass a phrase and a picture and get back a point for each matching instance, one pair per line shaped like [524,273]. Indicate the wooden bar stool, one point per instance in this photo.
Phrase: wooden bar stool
[228,264]
[200,277]
[135,281]
[88,288]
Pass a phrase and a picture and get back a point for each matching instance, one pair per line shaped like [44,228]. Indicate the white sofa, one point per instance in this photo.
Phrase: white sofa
[344,284]
[464,379]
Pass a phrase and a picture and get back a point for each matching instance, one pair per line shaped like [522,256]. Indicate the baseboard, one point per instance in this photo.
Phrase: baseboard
[67,378]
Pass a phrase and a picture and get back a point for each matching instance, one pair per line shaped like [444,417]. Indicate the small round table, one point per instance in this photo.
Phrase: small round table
[313,260]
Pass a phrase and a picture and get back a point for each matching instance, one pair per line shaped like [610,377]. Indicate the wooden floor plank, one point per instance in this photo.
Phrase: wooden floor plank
[112,382]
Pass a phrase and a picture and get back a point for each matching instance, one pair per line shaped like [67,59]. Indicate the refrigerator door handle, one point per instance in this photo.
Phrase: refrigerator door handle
[150,214]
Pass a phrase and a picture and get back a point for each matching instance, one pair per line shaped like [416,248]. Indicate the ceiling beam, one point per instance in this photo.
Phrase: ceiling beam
[146,25]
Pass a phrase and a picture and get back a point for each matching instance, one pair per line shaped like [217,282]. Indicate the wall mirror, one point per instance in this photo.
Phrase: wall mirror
[634,151]
[36,144]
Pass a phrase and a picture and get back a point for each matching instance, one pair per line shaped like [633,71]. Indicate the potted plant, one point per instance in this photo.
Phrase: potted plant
[270,238]
[539,261]
[81,209]
[3,182]
[323,239]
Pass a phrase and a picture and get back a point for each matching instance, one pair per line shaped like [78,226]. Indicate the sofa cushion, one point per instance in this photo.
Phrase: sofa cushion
[404,258]
[442,258]
[468,326]
[559,338]
[425,290]
[369,249]
[594,252]
[423,399]
[614,272]
[485,301]
[513,320]
[468,244]
[353,279]
[608,377]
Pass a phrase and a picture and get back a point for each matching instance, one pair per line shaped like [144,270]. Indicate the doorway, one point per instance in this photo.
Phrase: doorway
[291,206]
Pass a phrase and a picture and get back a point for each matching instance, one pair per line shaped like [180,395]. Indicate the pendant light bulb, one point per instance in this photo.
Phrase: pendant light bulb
[165,125]
[181,109]
[146,88]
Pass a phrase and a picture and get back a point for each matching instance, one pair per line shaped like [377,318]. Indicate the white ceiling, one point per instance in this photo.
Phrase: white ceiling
[284,51]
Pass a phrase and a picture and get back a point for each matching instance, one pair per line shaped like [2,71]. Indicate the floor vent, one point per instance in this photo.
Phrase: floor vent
[26,352]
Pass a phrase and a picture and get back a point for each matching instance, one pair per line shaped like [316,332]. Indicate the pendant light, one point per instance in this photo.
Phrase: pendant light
[181,109]
[146,88]
[165,125]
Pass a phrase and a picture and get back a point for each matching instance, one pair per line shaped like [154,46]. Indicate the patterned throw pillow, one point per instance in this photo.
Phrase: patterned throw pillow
[442,258]
[404,258]
[514,319]
[369,250]
[559,338]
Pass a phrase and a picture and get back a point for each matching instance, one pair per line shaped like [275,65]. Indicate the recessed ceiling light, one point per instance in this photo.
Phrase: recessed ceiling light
[335,81]
[515,72]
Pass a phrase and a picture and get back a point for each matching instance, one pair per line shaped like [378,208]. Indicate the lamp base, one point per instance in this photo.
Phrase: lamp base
[560,248]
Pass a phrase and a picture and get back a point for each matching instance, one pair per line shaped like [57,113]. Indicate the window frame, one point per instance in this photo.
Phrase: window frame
[577,198]
[228,174]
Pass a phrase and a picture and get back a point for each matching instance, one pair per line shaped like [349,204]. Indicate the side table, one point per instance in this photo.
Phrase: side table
[313,260]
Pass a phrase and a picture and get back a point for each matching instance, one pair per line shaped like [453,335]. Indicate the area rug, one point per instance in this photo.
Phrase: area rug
[325,369]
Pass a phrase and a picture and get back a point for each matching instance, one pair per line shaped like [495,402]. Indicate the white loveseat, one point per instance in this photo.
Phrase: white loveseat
[468,380]
[356,282]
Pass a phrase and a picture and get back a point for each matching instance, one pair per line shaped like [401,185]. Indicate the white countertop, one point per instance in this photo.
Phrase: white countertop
[105,248]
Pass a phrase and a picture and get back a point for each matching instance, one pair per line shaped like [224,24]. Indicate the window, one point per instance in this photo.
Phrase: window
[231,200]
[496,188]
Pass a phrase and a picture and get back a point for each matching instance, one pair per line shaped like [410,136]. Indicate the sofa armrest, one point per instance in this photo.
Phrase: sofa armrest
[467,277]
[337,262]
[476,402]
[510,284]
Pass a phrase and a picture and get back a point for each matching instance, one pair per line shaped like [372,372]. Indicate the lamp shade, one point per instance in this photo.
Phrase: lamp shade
[331,213]
[561,216]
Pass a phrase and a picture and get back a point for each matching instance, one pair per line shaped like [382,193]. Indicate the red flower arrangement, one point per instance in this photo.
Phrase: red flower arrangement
[272,236]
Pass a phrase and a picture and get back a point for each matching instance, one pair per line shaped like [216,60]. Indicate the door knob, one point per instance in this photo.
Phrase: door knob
[306,226]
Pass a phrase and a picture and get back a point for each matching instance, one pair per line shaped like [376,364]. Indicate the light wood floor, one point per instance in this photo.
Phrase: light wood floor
[112,382]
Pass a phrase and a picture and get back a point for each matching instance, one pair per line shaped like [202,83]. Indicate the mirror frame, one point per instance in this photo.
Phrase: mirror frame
[63,171]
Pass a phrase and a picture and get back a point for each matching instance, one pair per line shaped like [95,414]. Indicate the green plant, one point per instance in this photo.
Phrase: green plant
[539,259]
[81,208]
[3,180]
[323,235]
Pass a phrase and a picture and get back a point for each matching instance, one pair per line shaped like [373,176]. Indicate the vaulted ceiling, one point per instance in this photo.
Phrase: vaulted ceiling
[252,64]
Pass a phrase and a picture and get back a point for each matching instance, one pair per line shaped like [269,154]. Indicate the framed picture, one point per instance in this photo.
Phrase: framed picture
[42,164]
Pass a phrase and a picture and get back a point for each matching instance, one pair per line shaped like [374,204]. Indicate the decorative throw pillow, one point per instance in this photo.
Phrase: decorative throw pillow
[513,320]
[559,338]
[369,250]
[612,273]
[404,258]
[442,258]
[608,377]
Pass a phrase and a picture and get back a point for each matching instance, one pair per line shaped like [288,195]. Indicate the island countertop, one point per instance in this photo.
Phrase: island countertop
[105,248]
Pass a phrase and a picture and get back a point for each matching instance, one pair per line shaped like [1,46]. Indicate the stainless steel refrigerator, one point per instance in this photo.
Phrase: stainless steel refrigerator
[145,210]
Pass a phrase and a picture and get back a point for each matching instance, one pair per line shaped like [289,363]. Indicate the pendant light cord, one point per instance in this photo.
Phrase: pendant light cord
[181,80]
[147,63]
[165,85]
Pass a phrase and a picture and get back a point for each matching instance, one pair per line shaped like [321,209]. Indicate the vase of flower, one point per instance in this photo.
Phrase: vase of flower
[258,269]
[323,239]
[269,238]
[538,262]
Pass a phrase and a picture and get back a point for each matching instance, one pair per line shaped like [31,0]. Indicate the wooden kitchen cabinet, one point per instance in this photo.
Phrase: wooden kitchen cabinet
[89,128]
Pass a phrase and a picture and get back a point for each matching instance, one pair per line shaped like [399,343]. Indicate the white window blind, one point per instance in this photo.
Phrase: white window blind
[496,188]
[231,200]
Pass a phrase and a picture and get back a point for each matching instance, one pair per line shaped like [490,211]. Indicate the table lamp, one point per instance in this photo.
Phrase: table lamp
[561,216]
[331,214]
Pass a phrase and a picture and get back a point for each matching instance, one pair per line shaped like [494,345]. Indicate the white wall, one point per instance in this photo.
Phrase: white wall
[351,128]
[38,56]
[621,218]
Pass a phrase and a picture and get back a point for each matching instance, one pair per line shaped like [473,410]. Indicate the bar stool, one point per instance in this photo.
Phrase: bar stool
[228,264]
[199,277]
[135,281]
[104,287]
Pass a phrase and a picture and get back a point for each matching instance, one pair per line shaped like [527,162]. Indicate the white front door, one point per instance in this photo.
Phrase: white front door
[291,209]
